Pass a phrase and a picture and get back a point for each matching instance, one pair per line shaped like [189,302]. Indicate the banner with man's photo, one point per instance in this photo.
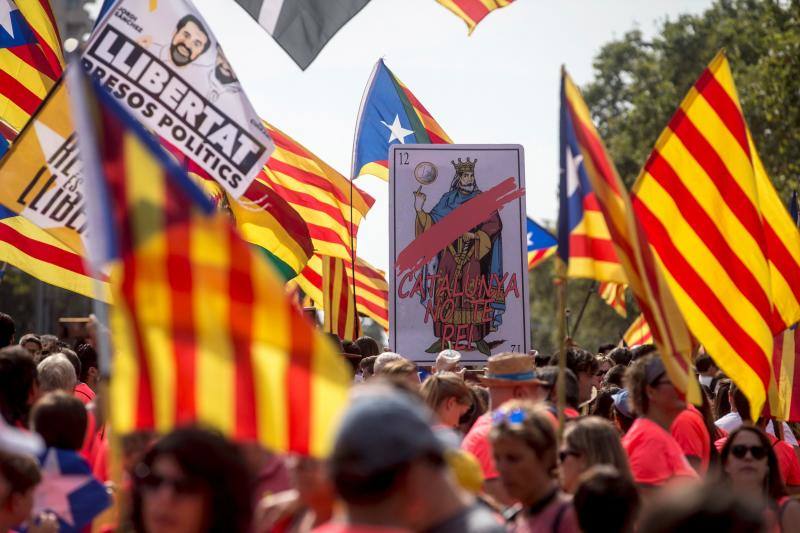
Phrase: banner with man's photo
[161,60]
[458,243]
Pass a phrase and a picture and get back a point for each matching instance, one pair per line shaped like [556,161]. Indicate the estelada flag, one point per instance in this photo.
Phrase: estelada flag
[389,114]
[541,243]
[728,248]
[202,329]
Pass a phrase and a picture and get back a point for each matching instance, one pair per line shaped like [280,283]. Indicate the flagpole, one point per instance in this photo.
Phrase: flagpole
[592,289]
[561,312]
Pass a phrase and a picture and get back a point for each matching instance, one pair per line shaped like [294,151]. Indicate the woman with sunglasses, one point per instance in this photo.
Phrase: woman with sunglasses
[192,481]
[750,467]
[524,446]
[588,442]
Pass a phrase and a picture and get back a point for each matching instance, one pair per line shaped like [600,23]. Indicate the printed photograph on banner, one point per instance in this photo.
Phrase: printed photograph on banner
[458,246]
[162,62]
[41,175]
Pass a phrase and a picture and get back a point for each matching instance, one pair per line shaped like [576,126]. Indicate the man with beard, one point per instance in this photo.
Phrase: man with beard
[189,41]
[462,291]
[222,80]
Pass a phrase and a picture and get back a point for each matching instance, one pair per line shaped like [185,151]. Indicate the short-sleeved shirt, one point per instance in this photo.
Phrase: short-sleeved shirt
[654,455]
[83,392]
[690,432]
[477,443]
[332,527]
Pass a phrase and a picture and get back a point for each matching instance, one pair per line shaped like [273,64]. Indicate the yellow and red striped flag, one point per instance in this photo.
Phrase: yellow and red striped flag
[728,249]
[202,329]
[638,333]
[670,333]
[31,61]
[784,398]
[321,196]
[614,295]
[338,300]
[473,11]
[371,288]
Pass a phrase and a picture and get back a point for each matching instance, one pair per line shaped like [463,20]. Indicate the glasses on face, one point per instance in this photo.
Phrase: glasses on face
[563,454]
[514,416]
[740,451]
[180,486]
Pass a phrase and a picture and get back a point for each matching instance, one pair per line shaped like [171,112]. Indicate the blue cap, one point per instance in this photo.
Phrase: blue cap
[622,403]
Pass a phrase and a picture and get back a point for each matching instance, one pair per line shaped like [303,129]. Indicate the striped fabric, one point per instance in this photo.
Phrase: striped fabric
[338,303]
[784,397]
[638,333]
[614,295]
[388,101]
[727,246]
[473,11]
[372,290]
[671,335]
[37,253]
[537,257]
[30,63]
[318,193]
[202,329]
[584,241]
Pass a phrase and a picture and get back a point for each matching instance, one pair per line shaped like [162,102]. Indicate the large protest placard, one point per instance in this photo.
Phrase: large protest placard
[458,239]
[161,60]
[41,176]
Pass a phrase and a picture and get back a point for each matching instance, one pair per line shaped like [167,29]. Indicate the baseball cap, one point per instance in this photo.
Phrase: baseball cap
[383,430]
[622,403]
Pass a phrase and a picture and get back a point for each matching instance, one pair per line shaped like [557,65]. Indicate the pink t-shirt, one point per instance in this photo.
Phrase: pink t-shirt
[558,517]
[691,434]
[331,527]
[477,443]
[655,457]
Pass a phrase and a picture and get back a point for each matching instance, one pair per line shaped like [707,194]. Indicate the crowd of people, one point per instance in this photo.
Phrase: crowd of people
[436,449]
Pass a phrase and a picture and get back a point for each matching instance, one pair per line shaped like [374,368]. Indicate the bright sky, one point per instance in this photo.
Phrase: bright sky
[498,86]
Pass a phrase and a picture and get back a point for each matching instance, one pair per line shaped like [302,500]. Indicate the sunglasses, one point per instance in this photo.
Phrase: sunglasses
[740,451]
[514,416]
[180,486]
[563,454]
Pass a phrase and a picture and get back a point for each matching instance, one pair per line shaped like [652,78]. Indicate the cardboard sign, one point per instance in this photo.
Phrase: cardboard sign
[162,62]
[458,251]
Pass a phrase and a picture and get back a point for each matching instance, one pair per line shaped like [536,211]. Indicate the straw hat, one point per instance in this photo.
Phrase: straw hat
[510,369]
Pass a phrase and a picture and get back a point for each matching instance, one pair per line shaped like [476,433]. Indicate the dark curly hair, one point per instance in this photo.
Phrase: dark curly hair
[212,460]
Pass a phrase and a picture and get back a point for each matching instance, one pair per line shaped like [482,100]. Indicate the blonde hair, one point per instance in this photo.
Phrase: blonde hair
[439,387]
[398,367]
[598,442]
[536,429]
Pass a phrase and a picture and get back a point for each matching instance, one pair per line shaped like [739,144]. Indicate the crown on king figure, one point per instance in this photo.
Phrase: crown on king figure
[465,166]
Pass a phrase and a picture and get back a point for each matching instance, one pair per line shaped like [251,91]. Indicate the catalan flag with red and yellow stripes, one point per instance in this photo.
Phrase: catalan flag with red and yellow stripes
[371,288]
[331,206]
[784,397]
[638,333]
[614,295]
[723,239]
[202,329]
[670,333]
[389,114]
[473,11]
[31,61]
[584,243]
[338,300]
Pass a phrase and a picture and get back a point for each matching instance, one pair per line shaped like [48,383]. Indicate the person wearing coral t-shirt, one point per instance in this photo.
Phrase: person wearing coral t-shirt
[655,456]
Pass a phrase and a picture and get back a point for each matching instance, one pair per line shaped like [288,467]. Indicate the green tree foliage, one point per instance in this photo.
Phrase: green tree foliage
[639,83]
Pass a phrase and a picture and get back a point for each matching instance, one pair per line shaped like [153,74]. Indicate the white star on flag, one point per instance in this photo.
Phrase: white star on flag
[573,182]
[6,7]
[52,494]
[530,239]
[398,131]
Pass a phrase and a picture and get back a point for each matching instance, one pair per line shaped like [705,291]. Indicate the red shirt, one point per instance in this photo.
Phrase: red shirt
[690,432]
[655,457]
[477,443]
[331,527]
[83,392]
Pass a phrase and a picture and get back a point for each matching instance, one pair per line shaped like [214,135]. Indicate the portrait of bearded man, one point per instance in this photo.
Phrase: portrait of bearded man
[464,270]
